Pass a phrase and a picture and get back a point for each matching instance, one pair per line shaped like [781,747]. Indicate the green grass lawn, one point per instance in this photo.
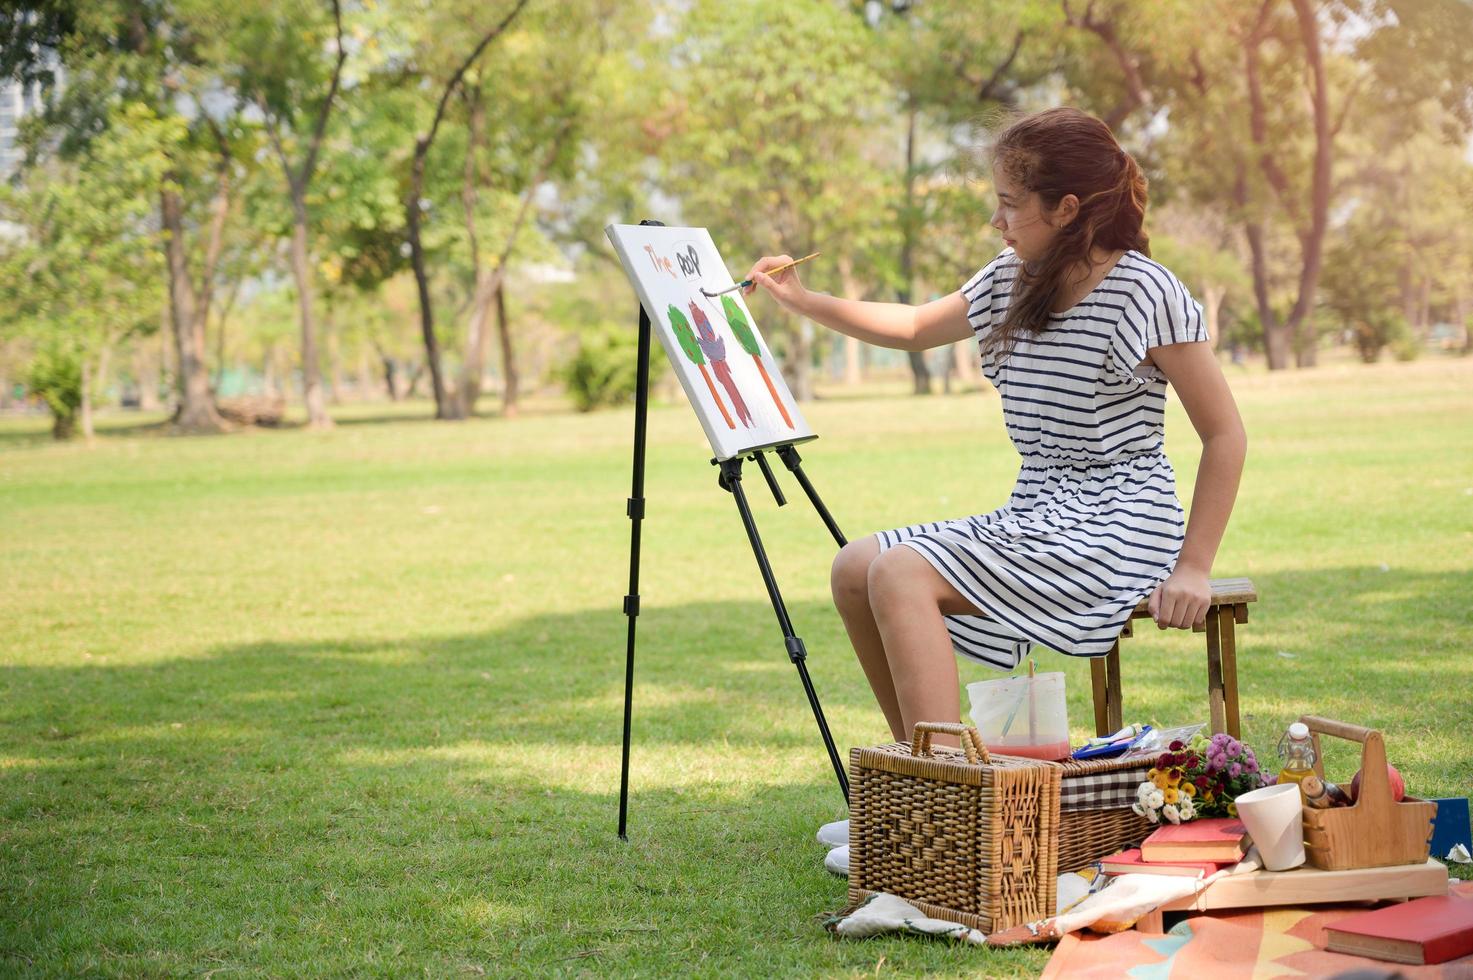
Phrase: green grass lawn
[284,702]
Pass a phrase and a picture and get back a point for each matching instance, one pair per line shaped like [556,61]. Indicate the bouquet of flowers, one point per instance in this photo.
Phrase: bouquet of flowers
[1200,778]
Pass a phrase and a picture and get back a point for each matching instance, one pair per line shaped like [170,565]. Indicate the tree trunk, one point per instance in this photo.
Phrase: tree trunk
[802,360]
[510,377]
[853,373]
[269,384]
[920,372]
[443,407]
[317,417]
[1299,325]
[1212,297]
[148,364]
[196,411]
[1276,336]
[86,408]
[964,361]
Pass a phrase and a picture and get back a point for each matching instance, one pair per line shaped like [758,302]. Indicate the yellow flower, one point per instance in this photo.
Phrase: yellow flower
[1189,789]
[1173,777]
[1232,809]
[1171,795]
[1160,780]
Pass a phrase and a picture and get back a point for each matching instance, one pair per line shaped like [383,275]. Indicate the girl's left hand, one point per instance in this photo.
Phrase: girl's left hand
[1182,600]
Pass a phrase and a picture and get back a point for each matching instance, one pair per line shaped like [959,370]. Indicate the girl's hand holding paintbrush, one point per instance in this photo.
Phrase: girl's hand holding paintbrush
[901,326]
[778,275]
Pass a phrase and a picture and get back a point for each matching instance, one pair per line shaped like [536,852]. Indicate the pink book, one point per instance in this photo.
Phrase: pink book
[1219,839]
[1130,862]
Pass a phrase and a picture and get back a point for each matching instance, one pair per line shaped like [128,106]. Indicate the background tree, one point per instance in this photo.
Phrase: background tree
[84,270]
[286,60]
[765,150]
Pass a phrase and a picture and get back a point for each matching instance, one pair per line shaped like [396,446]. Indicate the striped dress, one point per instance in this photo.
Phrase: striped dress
[1093,524]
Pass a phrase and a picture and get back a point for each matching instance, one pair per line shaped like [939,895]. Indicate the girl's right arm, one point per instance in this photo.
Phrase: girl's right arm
[897,325]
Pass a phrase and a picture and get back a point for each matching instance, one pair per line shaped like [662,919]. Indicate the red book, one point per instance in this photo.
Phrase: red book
[1427,930]
[1130,862]
[1220,839]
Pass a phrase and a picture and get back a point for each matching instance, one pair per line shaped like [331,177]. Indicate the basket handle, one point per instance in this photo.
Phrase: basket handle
[971,741]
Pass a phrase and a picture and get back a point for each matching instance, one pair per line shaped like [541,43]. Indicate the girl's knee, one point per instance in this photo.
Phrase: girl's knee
[849,576]
[889,572]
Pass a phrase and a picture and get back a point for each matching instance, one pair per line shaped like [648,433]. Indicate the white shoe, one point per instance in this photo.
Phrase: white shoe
[834,834]
[837,861]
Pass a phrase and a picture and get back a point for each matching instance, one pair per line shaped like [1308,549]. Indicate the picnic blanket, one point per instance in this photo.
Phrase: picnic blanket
[1251,944]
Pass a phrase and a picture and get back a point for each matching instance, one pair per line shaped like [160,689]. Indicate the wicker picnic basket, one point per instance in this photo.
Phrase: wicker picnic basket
[960,834]
[1095,818]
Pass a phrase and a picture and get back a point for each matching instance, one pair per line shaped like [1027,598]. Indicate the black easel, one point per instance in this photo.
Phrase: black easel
[730,480]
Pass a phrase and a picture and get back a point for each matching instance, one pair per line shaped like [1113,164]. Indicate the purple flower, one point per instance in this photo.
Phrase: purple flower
[1235,770]
[1233,746]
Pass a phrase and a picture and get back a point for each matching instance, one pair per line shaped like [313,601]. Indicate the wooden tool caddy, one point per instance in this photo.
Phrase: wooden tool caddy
[1376,831]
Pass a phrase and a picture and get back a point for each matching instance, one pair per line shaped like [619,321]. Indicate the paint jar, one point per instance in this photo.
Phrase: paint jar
[1024,715]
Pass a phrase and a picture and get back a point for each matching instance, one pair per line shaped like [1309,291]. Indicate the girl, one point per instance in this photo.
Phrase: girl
[1080,331]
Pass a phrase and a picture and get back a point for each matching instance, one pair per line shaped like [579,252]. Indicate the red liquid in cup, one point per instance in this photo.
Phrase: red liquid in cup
[1050,751]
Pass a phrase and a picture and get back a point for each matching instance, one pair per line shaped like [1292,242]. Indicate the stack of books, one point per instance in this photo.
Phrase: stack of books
[1196,849]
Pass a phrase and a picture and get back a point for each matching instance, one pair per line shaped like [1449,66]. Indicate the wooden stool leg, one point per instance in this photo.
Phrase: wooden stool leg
[1229,672]
[1113,722]
[1101,696]
[1215,697]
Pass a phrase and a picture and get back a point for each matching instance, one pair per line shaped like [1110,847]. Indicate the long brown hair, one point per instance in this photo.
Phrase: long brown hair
[1053,153]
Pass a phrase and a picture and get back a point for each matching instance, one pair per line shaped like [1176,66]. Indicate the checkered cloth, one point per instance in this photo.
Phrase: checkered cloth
[1101,791]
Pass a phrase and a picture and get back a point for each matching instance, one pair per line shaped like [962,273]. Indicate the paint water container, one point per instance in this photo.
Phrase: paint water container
[1024,715]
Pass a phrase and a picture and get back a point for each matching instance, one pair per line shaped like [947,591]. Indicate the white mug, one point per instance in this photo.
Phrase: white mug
[1274,816]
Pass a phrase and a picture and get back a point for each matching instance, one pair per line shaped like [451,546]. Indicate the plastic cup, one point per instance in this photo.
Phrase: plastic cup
[1274,816]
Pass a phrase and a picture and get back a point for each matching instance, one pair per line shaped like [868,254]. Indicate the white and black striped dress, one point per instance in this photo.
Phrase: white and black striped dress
[1093,524]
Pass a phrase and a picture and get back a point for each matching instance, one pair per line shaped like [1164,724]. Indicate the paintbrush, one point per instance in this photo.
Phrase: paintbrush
[771,272]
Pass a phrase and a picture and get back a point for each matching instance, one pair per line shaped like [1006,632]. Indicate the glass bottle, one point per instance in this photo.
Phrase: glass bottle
[1297,751]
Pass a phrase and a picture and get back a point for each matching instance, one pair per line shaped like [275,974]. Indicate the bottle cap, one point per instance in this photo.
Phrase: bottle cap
[1299,730]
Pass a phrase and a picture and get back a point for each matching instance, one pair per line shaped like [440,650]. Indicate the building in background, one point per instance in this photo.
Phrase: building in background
[17,101]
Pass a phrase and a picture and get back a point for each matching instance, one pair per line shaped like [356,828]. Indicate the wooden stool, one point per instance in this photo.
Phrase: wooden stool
[1230,598]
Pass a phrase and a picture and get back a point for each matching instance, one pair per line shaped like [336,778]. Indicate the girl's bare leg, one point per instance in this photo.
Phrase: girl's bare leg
[908,598]
[849,581]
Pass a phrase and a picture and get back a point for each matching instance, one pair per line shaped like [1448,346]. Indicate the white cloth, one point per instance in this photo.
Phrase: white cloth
[1128,897]
[837,861]
[885,913]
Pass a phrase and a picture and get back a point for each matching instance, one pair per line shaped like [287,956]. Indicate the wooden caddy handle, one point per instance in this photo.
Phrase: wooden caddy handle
[920,743]
[1375,786]
[1340,729]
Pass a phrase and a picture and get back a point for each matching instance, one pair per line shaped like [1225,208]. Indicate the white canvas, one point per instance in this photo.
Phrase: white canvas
[741,398]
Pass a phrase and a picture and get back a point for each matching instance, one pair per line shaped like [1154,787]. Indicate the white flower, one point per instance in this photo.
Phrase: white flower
[1170,812]
[1156,800]
[1144,790]
[1187,808]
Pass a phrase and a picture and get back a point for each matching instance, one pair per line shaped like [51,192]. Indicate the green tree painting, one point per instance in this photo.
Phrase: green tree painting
[748,339]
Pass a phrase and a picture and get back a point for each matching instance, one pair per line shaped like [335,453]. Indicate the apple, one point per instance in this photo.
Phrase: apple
[1398,785]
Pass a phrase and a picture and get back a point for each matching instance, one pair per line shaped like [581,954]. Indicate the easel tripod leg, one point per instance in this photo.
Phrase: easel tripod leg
[635,510]
[731,480]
